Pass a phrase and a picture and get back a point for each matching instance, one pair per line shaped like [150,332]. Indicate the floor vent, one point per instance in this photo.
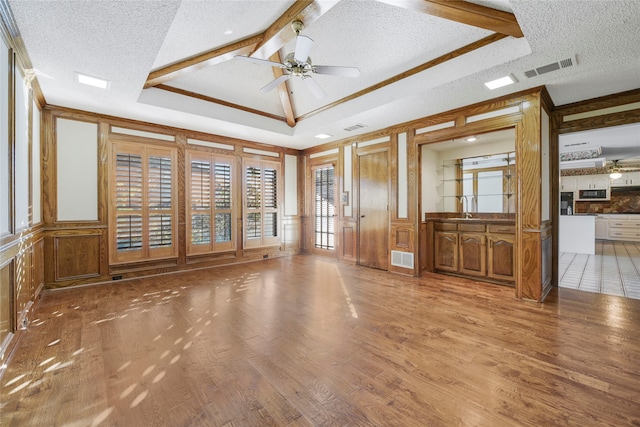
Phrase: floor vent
[402,259]
[565,63]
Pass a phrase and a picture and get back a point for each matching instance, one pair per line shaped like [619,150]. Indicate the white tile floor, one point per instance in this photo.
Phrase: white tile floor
[613,270]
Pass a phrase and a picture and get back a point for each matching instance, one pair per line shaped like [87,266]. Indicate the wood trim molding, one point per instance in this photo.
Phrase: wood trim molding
[219,101]
[465,13]
[415,70]
[194,63]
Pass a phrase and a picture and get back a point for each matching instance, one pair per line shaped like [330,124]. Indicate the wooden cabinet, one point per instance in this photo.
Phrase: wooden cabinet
[473,254]
[501,257]
[446,251]
[475,249]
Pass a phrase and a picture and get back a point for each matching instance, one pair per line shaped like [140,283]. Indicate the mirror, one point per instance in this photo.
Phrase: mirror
[470,175]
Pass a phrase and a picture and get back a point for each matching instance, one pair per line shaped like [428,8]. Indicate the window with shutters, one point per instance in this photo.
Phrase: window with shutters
[210,208]
[261,216]
[143,199]
[324,211]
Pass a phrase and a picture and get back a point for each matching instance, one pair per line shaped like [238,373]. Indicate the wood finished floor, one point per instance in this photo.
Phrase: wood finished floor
[306,341]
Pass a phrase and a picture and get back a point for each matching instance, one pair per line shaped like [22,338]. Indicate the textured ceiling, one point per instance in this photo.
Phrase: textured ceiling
[123,41]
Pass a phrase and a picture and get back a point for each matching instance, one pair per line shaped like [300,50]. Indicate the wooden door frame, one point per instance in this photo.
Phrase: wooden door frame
[364,151]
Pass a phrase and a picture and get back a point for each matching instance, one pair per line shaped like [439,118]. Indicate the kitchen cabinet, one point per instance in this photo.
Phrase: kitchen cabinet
[569,183]
[627,179]
[602,227]
[474,248]
[593,182]
[624,227]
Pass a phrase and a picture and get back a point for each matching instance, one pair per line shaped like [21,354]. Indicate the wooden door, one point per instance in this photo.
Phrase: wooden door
[373,236]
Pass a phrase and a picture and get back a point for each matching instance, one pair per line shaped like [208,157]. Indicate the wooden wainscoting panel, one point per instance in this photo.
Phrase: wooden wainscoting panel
[348,241]
[291,234]
[6,309]
[529,262]
[23,282]
[37,269]
[77,256]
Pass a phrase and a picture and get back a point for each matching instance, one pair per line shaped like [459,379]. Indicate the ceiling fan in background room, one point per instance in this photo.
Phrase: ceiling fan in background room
[615,171]
[299,64]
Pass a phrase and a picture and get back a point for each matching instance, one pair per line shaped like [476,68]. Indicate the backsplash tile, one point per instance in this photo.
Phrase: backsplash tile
[627,202]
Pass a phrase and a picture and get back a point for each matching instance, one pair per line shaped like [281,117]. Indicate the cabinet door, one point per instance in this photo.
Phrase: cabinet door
[501,257]
[584,182]
[601,228]
[568,183]
[446,251]
[473,255]
[628,178]
[600,182]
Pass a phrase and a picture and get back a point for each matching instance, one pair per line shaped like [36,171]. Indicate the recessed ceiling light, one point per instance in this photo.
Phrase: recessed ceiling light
[228,32]
[323,136]
[92,81]
[471,139]
[503,81]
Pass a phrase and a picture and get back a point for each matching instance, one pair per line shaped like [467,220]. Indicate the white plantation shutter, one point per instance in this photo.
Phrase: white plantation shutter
[261,203]
[144,208]
[210,206]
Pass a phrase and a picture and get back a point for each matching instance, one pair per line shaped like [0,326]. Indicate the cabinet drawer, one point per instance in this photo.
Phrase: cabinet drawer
[472,227]
[446,226]
[497,228]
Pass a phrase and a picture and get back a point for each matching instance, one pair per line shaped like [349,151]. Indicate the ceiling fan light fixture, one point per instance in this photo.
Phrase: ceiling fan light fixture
[615,175]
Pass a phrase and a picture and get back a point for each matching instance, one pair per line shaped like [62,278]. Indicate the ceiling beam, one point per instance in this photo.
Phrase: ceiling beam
[219,101]
[415,70]
[280,32]
[283,92]
[211,57]
[466,13]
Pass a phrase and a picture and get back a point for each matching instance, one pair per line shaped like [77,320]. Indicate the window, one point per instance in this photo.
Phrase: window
[143,197]
[487,184]
[324,207]
[261,203]
[210,210]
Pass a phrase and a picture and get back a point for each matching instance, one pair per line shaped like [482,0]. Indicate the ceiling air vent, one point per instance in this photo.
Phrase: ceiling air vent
[565,63]
[354,127]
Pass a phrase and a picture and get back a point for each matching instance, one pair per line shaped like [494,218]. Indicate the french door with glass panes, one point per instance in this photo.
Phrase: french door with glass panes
[324,208]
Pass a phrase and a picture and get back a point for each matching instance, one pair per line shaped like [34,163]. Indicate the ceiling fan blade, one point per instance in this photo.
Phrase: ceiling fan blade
[275,83]
[259,61]
[336,71]
[303,48]
[314,87]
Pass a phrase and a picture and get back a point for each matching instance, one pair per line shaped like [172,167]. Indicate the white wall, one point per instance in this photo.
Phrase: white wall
[290,185]
[5,202]
[21,159]
[77,165]
[36,191]
[430,181]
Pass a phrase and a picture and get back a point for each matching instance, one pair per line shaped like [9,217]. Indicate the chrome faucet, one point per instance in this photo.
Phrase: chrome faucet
[465,206]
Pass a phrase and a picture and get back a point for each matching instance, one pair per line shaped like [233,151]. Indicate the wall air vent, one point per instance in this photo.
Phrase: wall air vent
[565,63]
[402,259]
[354,127]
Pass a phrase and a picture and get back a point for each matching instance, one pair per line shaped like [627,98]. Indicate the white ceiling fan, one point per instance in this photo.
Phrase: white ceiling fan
[299,64]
